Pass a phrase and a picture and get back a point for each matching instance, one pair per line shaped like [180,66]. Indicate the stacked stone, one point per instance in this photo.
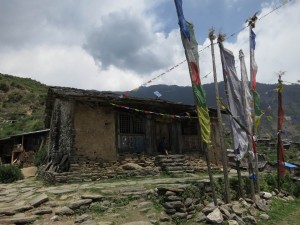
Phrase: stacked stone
[173,164]
[176,205]
[87,170]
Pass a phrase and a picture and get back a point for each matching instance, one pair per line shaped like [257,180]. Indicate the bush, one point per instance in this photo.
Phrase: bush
[14,97]
[4,87]
[10,173]
[40,156]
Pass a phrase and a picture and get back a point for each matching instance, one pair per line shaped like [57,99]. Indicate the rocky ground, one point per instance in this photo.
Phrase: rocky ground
[131,202]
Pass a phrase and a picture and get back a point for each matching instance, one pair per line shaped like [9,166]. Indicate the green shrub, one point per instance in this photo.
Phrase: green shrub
[40,156]
[14,97]
[10,173]
[4,87]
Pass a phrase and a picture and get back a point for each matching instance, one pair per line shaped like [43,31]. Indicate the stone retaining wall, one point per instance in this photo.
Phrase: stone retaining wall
[128,165]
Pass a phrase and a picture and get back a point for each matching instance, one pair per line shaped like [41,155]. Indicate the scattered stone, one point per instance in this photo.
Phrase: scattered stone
[208,209]
[180,215]
[60,191]
[225,211]
[79,203]
[290,198]
[200,217]
[264,216]
[170,211]
[188,202]
[23,208]
[232,222]
[250,201]
[173,205]
[9,211]
[51,204]
[64,211]
[138,223]
[170,193]
[37,201]
[93,197]
[252,211]
[106,223]
[237,209]
[89,222]
[266,195]
[82,218]
[199,207]
[42,211]
[256,198]
[54,218]
[172,198]
[261,206]
[145,204]
[131,166]
[188,217]
[215,216]
[18,220]
[144,210]
[239,220]
[249,220]
[164,218]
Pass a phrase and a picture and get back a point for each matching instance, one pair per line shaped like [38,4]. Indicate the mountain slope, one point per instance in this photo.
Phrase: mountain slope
[268,103]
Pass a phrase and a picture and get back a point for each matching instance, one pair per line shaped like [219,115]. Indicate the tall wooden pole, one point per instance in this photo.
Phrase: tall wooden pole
[238,169]
[212,37]
[251,23]
[279,130]
[250,166]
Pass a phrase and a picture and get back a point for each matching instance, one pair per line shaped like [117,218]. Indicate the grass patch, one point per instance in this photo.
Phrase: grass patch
[283,213]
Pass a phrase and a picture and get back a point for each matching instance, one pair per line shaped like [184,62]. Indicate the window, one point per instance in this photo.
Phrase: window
[131,124]
[124,123]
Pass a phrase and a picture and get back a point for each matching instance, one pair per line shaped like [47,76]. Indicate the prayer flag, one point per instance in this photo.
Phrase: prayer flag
[234,94]
[256,99]
[157,94]
[191,51]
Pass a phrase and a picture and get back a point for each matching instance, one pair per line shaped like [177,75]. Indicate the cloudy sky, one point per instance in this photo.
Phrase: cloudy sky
[119,45]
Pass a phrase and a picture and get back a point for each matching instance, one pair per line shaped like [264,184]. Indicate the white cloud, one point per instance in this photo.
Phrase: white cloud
[51,50]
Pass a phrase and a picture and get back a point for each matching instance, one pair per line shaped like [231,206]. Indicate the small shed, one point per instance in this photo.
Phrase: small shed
[91,125]
[11,147]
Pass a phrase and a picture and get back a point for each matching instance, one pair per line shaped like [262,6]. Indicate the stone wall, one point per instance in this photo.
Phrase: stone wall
[61,135]
[127,165]
[89,170]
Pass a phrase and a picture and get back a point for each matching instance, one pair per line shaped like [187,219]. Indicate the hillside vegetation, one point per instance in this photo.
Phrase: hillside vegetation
[22,102]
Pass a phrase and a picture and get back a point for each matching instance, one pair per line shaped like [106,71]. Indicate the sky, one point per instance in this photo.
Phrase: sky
[119,45]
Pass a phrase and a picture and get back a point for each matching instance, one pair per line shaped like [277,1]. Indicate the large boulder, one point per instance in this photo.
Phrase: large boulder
[215,216]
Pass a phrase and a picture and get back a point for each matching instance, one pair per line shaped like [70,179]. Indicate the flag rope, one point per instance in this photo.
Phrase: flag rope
[201,50]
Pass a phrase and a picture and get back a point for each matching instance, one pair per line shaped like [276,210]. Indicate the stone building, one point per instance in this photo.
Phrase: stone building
[96,126]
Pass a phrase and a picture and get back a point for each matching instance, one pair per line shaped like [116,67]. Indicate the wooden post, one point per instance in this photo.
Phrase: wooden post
[238,169]
[212,37]
[251,23]
[250,167]
[211,179]
[279,130]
